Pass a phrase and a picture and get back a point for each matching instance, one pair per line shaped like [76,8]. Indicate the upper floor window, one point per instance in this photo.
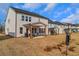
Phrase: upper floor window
[29,19]
[22,18]
[26,18]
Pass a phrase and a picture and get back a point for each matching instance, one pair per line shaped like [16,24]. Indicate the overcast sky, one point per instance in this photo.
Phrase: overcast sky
[63,12]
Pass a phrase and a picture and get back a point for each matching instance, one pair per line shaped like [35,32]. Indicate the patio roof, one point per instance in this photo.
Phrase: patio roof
[37,24]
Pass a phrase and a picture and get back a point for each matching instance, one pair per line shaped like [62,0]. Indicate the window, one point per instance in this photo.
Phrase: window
[29,19]
[21,30]
[35,30]
[26,18]
[40,30]
[22,18]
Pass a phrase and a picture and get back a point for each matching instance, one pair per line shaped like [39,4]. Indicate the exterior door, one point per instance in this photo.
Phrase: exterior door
[26,34]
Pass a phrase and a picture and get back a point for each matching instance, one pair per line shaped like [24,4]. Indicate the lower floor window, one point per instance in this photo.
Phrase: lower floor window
[41,30]
[21,30]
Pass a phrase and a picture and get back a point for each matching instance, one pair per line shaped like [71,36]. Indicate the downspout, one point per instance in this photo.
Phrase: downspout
[16,24]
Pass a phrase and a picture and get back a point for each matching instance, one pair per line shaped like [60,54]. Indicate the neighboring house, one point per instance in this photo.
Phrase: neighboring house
[75,28]
[55,27]
[24,23]
[60,28]
[71,27]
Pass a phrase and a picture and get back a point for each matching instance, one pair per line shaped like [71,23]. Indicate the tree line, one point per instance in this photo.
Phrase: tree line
[2,27]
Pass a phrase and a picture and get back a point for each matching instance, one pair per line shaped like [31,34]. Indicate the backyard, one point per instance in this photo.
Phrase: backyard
[53,45]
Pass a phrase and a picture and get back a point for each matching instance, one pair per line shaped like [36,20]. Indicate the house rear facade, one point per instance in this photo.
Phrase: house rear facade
[22,23]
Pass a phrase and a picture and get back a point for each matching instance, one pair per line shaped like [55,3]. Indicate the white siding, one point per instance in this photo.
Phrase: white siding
[61,29]
[13,28]
[58,28]
[34,19]
[51,25]
[10,23]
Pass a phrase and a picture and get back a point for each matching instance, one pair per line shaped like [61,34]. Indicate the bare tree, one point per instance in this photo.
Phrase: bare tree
[1,27]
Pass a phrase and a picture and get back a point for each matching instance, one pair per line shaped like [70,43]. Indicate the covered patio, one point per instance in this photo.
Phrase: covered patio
[35,29]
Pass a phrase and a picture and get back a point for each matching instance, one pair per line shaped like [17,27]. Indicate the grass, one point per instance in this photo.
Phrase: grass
[53,45]
[3,37]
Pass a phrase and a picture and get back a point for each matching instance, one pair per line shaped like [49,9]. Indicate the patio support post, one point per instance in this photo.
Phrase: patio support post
[38,31]
[31,31]
[45,30]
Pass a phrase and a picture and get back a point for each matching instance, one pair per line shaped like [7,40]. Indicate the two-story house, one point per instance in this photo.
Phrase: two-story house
[24,23]
[55,27]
